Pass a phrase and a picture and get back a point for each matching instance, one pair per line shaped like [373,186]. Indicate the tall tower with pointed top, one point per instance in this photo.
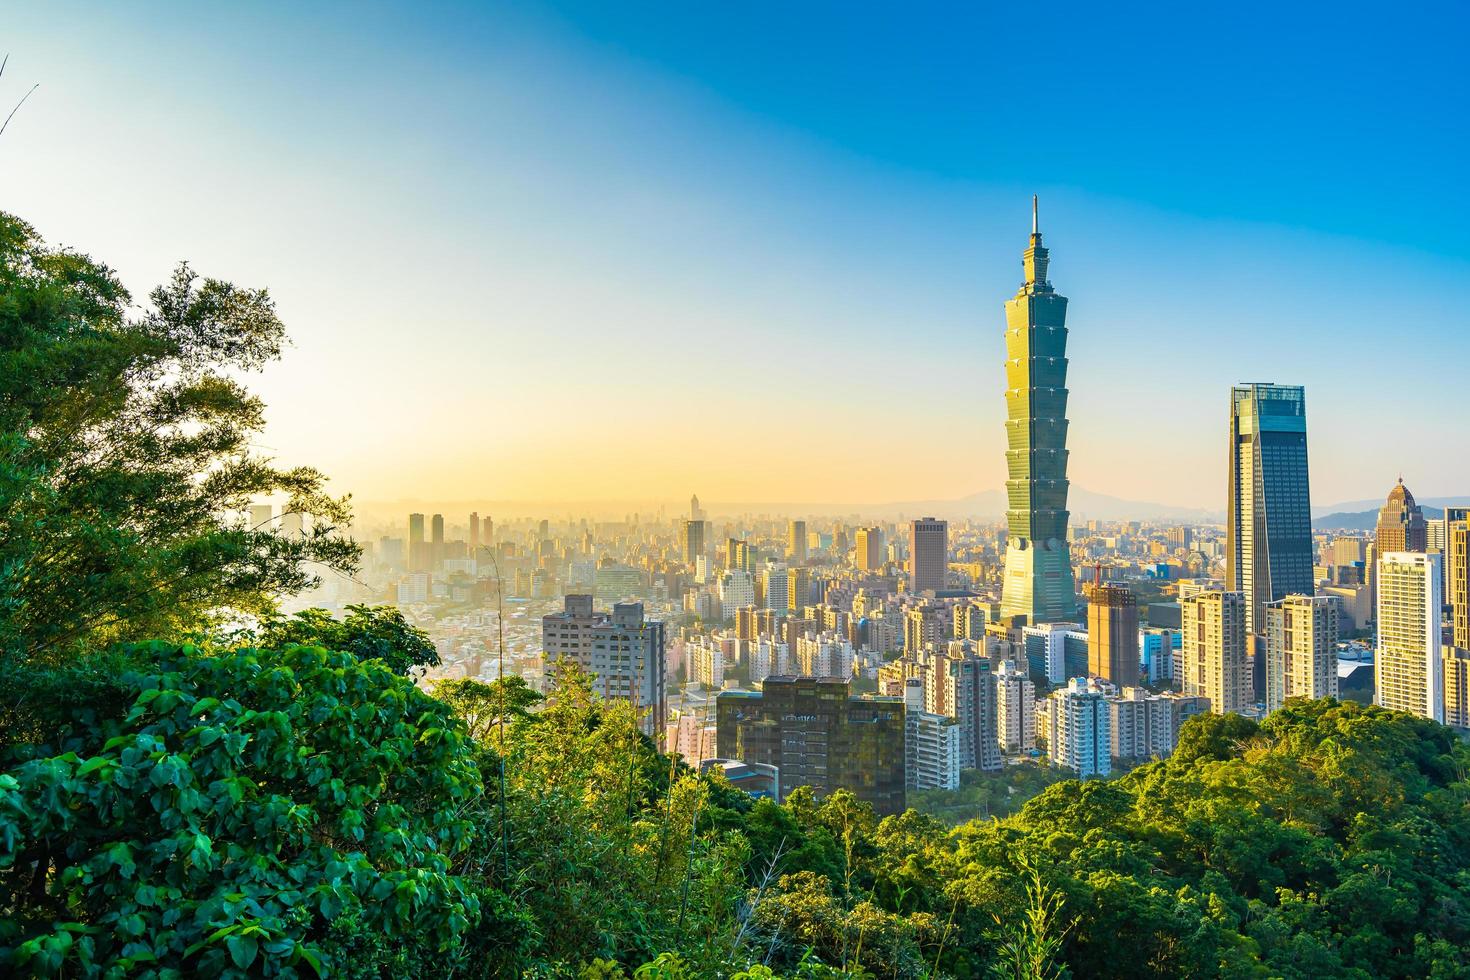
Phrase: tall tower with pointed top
[1038,577]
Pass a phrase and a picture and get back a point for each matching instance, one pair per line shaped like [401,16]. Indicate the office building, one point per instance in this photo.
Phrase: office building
[436,542]
[796,542]
[1401,525]
[1301,649]
[624,652]
[1038,568]
[1268,528]
[1112,634]
[1212,650]
[1408,666]
[695,541]
[816,734]
[418,546]
[1078,729]
[869,557]
[928,554]
[1156,655]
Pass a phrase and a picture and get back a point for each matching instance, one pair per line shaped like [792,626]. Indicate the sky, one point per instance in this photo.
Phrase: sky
[759,251]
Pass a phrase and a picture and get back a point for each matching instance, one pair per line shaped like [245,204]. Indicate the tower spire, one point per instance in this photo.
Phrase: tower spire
[1035,224]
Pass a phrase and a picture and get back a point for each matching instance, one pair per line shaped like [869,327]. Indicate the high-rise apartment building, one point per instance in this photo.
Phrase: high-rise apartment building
[737,590]
[924,624]
[931,750]
[1268,529]
[1146,726]
[796,542]
[738,554]
[798,588]
[1038,571]
[1301,649]
[1408,667]
[1212,660]
[1112,635]
[1401,525]
[1078,729]
[869,548]
[816,734]
[624,652]
[1456,669]
[1015,708]
[1457,572]
[777,588]
[962,687]
[928,554]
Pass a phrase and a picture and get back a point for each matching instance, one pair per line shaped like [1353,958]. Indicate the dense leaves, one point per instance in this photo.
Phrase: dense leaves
[367,632]
[281,812]
[125,458]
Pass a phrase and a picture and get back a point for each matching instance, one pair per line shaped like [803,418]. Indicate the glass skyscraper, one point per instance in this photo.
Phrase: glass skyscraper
[1268,530]
[1038,576]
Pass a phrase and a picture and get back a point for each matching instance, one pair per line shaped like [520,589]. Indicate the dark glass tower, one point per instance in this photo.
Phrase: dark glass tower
[1038,579]
[1268,529]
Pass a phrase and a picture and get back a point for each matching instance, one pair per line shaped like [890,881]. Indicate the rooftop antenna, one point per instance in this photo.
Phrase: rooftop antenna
[1035,224]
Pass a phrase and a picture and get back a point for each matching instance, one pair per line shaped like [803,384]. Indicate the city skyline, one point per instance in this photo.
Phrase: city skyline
[667,217]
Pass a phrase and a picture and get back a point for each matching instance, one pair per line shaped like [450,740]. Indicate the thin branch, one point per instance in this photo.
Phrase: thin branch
[17,108]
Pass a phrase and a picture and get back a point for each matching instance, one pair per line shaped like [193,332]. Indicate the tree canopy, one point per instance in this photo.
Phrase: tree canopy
[126,467]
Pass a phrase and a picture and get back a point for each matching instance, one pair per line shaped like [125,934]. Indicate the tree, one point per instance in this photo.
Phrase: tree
[275,812]
[367,632]
[483,706]
[125,458]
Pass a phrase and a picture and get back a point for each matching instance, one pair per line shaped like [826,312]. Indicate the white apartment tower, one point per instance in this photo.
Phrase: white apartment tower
[1301,649]
[1212,657]
[1408,671]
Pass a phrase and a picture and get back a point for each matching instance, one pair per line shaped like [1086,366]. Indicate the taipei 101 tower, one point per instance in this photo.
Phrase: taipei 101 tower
[1038,577]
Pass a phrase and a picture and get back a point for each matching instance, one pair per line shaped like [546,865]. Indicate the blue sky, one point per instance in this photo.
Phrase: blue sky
[768,244]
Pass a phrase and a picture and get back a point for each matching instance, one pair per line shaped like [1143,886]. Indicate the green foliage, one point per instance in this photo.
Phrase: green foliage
[279,812]
[125,460]
[983,795]
[367,632]
[481,706]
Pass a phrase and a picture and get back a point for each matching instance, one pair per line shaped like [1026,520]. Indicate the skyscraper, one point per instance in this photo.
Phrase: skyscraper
[798,588]
[869,548]
[1112,635]
[1079,729]
[1038,572]
[418,548]
[928,553]
[1401,524]
[796,542]
[695,513]
[1408,672]
[1212,652]
[474,533]
[1301,649]
[436,543]
[694,540]
[1268,529]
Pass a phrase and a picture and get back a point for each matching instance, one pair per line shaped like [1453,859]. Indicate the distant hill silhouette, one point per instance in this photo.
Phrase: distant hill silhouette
[1347,517]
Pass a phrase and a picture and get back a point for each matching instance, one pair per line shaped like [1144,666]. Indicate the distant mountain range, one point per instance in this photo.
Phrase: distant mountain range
[1083,503]
[1349,516]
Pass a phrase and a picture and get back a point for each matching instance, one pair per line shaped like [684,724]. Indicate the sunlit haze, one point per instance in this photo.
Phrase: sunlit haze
[544,253]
